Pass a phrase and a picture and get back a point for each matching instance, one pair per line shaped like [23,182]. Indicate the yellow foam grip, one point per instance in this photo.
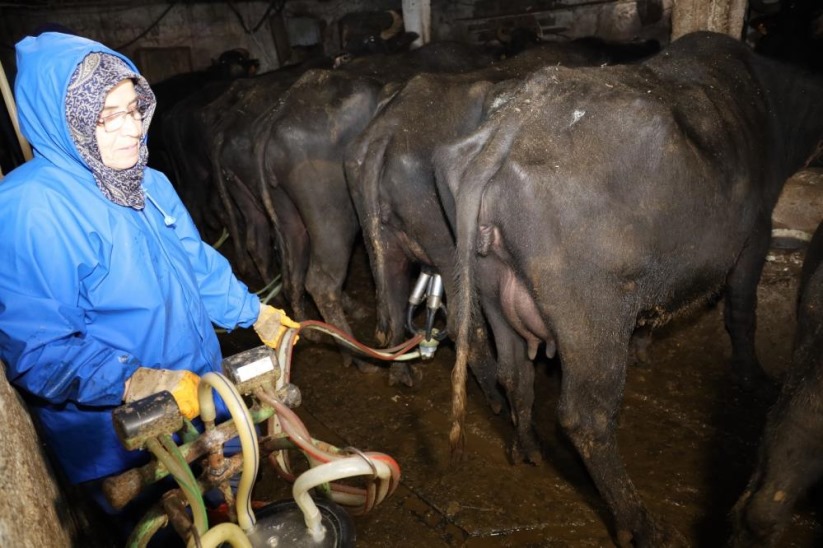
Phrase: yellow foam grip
[185,394]
[270,318]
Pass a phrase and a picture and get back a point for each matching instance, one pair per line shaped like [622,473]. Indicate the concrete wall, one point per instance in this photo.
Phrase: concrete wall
[617,20]
[206,29]
[196,33]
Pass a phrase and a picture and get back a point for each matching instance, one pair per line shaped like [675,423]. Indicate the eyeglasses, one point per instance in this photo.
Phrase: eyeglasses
[113,122]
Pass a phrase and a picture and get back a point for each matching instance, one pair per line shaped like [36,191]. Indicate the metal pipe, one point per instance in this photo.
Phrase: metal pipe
[420,287]
[122,488]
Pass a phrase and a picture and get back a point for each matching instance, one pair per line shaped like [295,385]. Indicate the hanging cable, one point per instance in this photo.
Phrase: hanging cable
[262,20]
[145,32]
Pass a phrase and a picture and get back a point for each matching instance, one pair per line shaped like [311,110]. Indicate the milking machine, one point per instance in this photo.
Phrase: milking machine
[330,484]
[428,287]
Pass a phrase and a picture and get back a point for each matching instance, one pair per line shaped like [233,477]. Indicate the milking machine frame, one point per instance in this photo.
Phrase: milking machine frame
[256,390]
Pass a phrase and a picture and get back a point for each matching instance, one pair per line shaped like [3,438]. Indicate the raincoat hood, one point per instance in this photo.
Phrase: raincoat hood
[46,64]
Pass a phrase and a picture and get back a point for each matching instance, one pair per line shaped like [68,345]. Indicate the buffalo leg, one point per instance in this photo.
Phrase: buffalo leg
[485,369]
[328,265]
[594,374]
[741,304]
[392,278]
[324,282]
[294,250]
[258,241]
[391,270]
[516,373]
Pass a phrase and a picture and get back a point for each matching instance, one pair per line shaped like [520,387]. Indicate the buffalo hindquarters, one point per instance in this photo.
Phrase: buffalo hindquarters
[789,460]
[617,193]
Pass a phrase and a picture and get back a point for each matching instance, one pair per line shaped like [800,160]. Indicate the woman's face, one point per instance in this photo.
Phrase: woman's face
[120,147]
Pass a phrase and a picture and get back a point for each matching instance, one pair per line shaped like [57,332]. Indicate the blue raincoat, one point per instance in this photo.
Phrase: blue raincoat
[90,290]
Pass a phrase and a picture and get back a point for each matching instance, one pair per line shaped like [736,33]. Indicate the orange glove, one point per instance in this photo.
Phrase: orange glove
[271,324]
[181,384]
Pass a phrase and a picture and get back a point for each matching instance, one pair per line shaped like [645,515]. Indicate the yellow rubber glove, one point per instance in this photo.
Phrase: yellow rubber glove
[271,324]
[181,384]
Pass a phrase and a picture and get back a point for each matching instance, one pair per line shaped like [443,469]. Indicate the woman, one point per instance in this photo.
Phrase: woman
[106,282]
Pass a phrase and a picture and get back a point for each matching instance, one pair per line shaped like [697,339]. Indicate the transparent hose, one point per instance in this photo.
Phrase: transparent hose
[219,534]
[246,432]
[179,469]
[358,500]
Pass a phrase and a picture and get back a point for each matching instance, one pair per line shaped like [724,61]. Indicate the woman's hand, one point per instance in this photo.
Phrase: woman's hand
[271,324]
[182,385]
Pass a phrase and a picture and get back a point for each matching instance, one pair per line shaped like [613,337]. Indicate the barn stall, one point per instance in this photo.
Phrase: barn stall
[688,435]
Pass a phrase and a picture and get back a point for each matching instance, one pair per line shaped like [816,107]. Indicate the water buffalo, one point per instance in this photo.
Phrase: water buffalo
[374,32]
[187,153]
[302,188]
[391,180]
[214,136]
[230,65]
[230,128]
[207,134]
[789,461]
[600,197]
[298,151]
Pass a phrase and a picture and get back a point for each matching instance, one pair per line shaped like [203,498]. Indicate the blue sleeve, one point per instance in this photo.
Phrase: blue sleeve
[42,329]
[227,299]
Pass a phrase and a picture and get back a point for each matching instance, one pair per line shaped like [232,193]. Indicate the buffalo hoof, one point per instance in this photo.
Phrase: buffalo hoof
[494,397]
[313,336]
[526,452]
[496,405]
[756,522]
[639,359]
[751,378]
[381,338]
[639,349]
[402,373]
[366,367]
[654,535]
[354,310]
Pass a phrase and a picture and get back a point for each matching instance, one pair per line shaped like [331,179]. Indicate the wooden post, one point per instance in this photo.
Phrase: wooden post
[724,16]
[8,98]
[417,18]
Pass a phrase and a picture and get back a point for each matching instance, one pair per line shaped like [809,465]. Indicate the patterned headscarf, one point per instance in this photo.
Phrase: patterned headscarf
[91,82]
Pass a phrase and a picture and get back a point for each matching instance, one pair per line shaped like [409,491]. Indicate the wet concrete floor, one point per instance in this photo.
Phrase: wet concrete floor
[687,434]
